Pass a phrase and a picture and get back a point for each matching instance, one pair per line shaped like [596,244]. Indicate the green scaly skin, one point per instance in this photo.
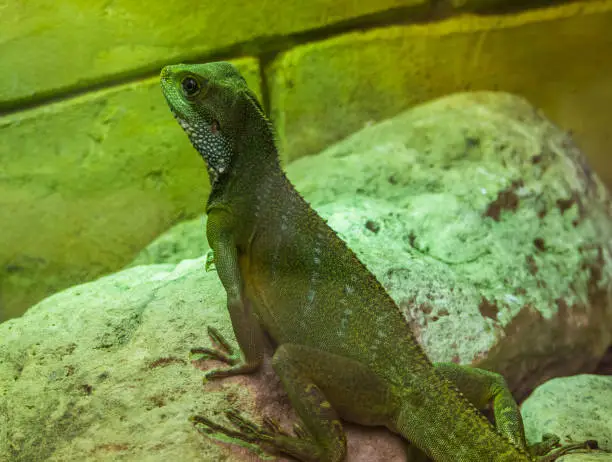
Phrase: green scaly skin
[342,347]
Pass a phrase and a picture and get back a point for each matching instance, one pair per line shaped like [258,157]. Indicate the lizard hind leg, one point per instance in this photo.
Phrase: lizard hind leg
[480,387]
[319,436]
[323,387]
[310,378]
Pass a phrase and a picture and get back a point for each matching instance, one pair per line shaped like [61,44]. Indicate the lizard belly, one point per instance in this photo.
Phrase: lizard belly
[257,290]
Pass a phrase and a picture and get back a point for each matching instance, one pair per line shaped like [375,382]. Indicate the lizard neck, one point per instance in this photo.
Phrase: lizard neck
[255,160]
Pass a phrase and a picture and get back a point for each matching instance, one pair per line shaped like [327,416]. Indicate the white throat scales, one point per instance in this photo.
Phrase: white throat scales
[211,144]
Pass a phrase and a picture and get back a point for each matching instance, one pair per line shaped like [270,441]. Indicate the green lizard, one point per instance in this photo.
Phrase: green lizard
[342,348]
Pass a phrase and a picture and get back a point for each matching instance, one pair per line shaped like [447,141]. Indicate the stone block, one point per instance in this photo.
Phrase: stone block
[48,46]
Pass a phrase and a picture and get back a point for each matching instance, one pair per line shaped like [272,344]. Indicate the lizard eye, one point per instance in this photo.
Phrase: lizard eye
[190,86]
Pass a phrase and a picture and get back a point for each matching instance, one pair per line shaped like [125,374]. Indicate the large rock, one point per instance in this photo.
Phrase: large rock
[477,214]
[579,406]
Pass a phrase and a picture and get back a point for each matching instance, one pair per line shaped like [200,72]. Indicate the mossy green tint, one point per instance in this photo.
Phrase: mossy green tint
[557,58]
[86,183]
[49,47]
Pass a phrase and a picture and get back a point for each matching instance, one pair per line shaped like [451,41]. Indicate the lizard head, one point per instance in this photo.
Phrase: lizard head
[210,103]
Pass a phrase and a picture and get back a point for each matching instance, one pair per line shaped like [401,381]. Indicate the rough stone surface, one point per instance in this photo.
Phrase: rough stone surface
[100,372]
[580,406]
[181,242]
[50,46]
[554,57]
[87,183]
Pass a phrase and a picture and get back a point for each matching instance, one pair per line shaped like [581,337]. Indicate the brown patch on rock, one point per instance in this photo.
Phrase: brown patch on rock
[372,226]
[531,264]
[539,244]
[472,142]
[426,308]
[525,317]
[488,309]
[506,200]
[157,400]
[565,204]
[110,447]
[162,362]
[87,389]
[537,159]
[411,239]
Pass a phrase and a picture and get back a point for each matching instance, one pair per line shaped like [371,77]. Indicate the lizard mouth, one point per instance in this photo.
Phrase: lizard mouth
[191,130]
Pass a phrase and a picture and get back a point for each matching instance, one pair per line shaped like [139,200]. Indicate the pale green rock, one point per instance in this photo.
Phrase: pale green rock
[183,241]
[100,371]
[50,47]
[85,184]
[579,406]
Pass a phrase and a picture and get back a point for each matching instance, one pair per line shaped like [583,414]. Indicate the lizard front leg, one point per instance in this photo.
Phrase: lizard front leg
[248,332]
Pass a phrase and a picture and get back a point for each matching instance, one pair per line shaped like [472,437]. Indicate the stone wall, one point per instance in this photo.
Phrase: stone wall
[92,165]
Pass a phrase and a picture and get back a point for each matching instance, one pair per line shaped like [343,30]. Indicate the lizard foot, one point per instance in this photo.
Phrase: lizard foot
[245,430]
[268,437]
[589,444]
[548,443]
[222,351]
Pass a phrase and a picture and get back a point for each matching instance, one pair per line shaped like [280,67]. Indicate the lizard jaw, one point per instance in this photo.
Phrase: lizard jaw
[210,144]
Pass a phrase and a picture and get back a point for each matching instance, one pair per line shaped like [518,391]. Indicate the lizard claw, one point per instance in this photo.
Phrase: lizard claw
[548,443]
[220,351]
[209,264]
[207,426]
[272,426]
[267,438]
[299,431]
[588,445]
[262,437]
[219,341]
[251,431]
